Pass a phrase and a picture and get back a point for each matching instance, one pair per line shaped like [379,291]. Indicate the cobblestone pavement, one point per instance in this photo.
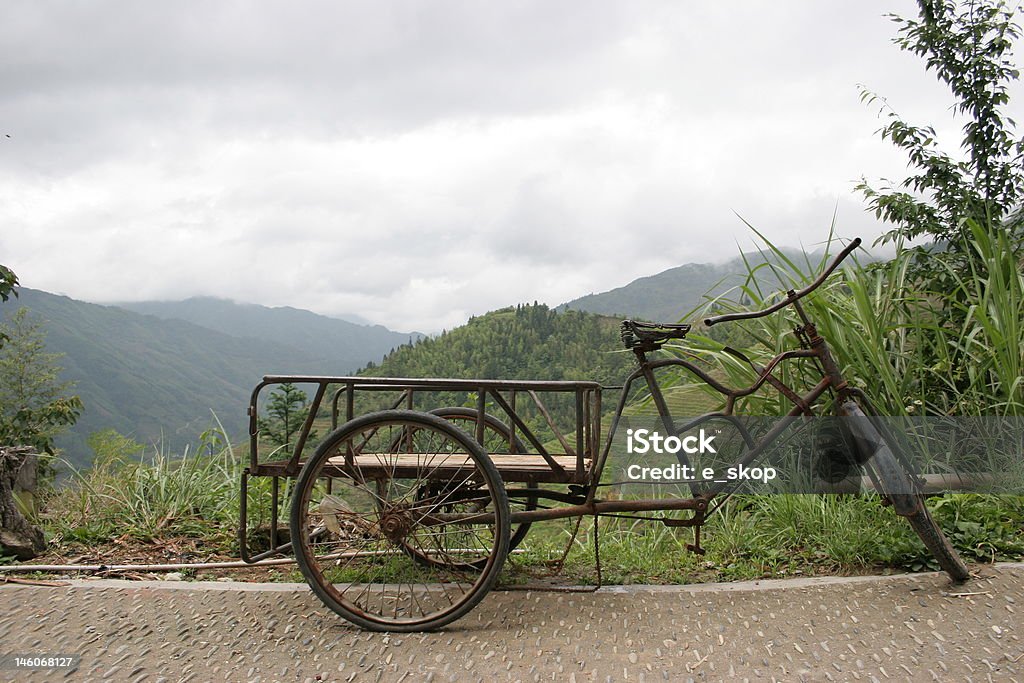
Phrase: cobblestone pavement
[894,628]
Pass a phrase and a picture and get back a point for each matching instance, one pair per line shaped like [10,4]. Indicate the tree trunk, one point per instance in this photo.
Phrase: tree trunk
[18,537]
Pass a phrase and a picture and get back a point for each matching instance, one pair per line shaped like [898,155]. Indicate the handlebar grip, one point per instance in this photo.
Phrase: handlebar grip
[854,243]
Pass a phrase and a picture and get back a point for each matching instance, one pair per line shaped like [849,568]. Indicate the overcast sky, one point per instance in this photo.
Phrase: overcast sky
[415,163]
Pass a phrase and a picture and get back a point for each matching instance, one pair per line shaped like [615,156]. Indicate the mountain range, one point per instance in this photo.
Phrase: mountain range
[672,294]
[155,373]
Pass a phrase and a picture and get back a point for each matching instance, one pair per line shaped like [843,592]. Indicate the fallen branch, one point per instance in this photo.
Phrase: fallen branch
[234,564]
[31,582]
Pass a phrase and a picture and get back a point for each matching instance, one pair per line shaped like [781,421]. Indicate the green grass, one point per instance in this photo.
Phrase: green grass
[153,496]
[161,498]
[754,537]
[913,350]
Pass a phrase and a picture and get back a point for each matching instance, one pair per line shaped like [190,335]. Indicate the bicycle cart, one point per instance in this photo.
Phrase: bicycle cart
[403,516]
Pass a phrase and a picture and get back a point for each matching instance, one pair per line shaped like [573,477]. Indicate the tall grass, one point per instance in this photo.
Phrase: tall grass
[774,536]
[160,494]
[913,350]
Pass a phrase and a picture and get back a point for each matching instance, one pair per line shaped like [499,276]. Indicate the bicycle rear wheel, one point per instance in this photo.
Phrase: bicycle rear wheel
[498,438]
[901,489]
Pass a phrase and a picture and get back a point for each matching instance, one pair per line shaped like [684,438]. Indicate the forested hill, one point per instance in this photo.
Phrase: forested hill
[524,342]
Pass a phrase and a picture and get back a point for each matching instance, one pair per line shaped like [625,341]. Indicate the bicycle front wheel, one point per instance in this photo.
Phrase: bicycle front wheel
[901,489]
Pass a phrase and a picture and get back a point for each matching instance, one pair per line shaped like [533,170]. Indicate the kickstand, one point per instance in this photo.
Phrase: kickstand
[695,546]
[560,565]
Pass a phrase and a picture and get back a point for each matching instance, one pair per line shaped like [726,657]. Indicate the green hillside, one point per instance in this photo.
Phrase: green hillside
[529,342]
[158,380]
[156,372]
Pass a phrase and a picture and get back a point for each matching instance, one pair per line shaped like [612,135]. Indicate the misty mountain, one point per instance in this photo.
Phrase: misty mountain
[157,379]
[671,294]
[155,370]
[340,345]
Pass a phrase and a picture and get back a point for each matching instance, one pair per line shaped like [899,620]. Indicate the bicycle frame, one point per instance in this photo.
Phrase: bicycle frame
[448,519]
[813,347]
[646,371]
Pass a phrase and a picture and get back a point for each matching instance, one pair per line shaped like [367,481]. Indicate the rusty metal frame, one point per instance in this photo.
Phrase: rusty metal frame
[587,436]
[493,397]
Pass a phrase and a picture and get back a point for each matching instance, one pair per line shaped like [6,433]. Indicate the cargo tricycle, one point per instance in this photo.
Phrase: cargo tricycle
[403,516]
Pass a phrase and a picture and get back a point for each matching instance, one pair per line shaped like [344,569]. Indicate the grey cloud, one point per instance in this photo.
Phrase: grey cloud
[418,162]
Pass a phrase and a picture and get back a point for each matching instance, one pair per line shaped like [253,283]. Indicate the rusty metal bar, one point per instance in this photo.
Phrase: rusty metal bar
[588,428]
[254,432]
[585,509]
[314,407]
[274,493]
[580,422]
[512,427]
[243,514]
[481,408]
[530,436]
[436,384]
[551,423]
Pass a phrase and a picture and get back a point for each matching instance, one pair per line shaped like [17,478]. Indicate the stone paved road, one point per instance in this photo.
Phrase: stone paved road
[895,628]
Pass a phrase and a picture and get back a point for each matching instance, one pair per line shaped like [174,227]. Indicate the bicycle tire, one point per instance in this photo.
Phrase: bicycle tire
[901,489]
[357,505]
[454,413]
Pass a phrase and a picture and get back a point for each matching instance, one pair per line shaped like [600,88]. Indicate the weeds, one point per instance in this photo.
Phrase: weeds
[157,495]
[775,536]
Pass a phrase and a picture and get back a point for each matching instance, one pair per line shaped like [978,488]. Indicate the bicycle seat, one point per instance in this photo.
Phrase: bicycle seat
[650,336]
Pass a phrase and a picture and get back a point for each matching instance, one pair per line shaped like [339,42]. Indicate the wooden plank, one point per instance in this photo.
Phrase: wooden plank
[513,467]
[448,461]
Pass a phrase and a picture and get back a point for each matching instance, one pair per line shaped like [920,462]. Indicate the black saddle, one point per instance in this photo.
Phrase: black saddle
[650,336]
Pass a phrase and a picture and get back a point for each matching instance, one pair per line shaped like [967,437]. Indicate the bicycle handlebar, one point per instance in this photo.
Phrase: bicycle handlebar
[792,296]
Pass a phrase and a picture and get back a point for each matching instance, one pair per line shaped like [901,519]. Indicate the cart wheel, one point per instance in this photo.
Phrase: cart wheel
[497,439]
[386,482]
